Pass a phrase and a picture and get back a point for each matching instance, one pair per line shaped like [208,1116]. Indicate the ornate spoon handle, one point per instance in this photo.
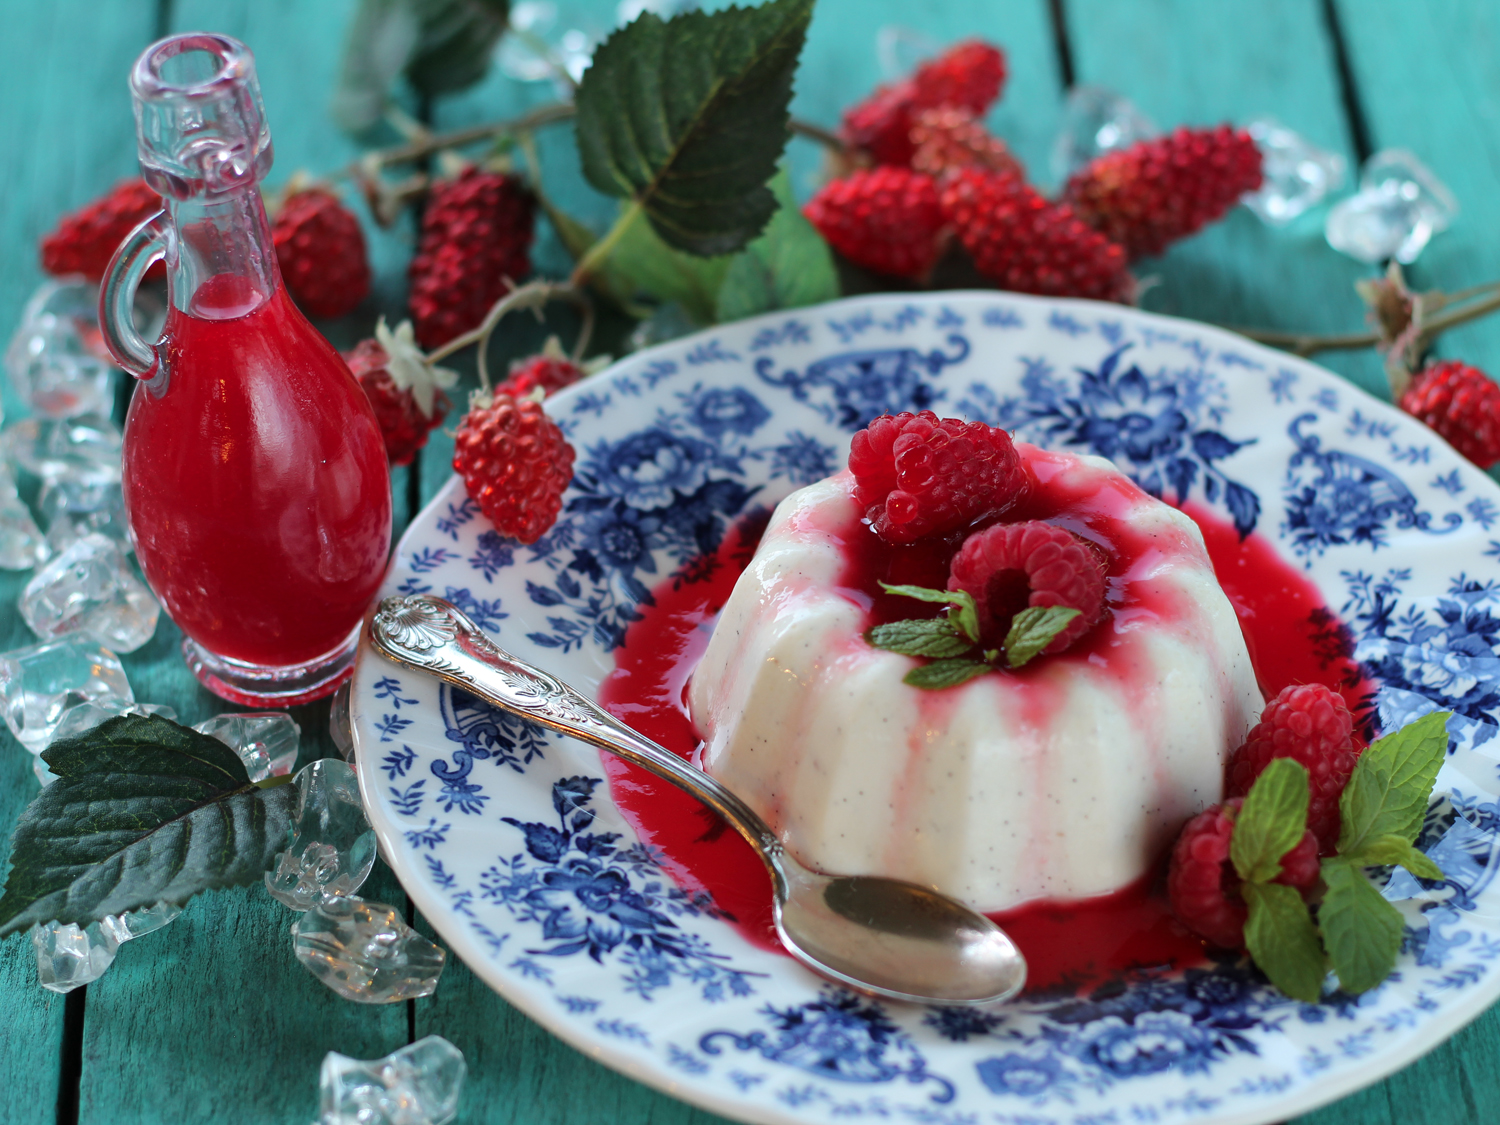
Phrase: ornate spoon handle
[434,636]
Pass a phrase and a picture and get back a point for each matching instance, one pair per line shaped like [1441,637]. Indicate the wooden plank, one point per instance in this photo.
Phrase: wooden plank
[1442,103]
[69,130]
[1185,63]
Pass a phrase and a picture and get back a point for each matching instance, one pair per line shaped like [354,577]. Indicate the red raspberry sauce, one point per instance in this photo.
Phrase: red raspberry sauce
[1291,636]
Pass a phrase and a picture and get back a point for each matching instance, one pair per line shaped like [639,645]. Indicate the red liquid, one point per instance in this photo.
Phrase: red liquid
[256,483]
[1290,635]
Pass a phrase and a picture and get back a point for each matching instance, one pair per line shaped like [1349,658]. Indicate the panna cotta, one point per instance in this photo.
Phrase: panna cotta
[1063,779]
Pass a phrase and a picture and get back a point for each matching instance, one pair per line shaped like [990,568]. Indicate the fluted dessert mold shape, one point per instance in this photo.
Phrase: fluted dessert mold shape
[882,936]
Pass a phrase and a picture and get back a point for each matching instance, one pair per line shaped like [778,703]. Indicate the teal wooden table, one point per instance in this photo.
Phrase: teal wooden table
[212,1018]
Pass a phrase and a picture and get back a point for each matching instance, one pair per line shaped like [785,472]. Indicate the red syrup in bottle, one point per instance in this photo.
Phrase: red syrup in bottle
[1069,944]
[256,481]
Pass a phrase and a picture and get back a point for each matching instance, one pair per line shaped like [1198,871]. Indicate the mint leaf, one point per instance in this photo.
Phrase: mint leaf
[945,673]
[1390,851]
[1361,930]
[965,613]
[687,117]
[1271,821]
[1388,791]
[144,811]
[1033,629]
[787,267]
[1281,938]
[934,637]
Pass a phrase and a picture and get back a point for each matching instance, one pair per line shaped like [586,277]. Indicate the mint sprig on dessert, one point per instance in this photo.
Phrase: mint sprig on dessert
[952,642]
[1299,921]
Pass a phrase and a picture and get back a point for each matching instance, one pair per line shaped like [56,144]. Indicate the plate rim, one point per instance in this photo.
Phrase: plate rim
[1310,1096]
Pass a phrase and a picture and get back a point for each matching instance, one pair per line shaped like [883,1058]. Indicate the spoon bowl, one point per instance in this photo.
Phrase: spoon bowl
[883,936]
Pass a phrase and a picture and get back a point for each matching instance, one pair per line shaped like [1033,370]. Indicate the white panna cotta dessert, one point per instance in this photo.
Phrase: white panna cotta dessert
[1064,779]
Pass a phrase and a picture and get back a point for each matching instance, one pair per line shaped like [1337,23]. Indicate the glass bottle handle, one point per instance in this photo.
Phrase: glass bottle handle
[145,246]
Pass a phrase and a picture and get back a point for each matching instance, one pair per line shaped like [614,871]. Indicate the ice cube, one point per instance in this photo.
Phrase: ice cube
[68,956]
[40,682]
[417,1085]
[900,50]
[85,448]
[1400,205]
[332,846]
[1096,121]
[56,359]
[91,589]
[21,545]
[339,727]
[1298,174]
[266,741]
[72,509]
[365,952]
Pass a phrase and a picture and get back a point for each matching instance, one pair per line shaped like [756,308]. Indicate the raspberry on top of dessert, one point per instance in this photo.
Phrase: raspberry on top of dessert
[1063,779]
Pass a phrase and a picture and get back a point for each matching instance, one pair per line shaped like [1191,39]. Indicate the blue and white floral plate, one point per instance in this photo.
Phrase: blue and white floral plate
[508,841]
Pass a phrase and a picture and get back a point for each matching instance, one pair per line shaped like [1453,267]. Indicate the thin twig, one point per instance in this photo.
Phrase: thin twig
[1306,344]
[415,150]
[532,295]
[823,136]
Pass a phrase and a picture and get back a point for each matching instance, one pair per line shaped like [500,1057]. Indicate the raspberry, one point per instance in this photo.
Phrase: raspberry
[85,240]
[402,423]
[1462,404]
[968,75]
[1011,566]
[1155,192]
[885,219]
[952,137]
[551,372]
[516,464]
[322,253]
[475,245]
[1202,883]
[917,475]
[1020,241]
[1311,724]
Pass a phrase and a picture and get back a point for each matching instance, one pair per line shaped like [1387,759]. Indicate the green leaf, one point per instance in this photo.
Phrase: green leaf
[144,811]
[688,117]
[787,267]
[1390,787]
[1361,930]
[965,614]
[1387,851]
[933,637]
[641,263]
[442,45]
[457,43]
[1033,629]
[1271,821]
[945,673]
[1282,939]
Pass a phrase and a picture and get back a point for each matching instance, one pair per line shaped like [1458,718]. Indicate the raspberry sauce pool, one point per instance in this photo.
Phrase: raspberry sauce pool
[1291,637]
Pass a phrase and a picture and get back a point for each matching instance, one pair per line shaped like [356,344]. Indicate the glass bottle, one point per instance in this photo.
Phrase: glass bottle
[255,476]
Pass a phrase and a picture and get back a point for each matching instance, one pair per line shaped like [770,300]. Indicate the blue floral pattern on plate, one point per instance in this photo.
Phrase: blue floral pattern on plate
[509,842]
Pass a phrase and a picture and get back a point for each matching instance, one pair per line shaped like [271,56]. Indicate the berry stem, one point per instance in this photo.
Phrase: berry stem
[415,150]
[600,250]
[1306,344]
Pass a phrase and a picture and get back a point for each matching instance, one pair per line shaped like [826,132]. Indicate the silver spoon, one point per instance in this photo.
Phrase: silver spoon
[884,936]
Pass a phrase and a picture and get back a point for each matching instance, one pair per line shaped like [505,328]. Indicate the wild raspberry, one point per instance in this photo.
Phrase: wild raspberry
[885,219]
[1155,192]
[516,464]
[551,372]
[1020,241]
[951,137]
[475,245]
[85,240]
[402,422]
[1462,404]
[321,251]
[1011,566]
[917,475]
[1202,884]
[1310,724]
[968,75]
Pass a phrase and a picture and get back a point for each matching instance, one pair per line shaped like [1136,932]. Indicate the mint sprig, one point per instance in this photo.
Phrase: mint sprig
[1357,931]
[952,642]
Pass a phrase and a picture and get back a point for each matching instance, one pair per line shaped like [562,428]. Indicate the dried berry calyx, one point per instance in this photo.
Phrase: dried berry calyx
[405,390]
